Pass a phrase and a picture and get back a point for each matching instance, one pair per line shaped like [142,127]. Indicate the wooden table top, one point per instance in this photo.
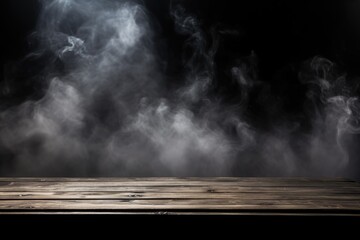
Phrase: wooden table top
[238,196]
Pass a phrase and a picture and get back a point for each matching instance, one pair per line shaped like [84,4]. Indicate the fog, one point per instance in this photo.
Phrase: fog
[108,107]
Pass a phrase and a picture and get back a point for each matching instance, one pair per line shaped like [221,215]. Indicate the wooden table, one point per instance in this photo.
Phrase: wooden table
[180,196]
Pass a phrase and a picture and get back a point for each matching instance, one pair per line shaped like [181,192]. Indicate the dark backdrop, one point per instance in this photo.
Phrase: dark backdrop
[281,33]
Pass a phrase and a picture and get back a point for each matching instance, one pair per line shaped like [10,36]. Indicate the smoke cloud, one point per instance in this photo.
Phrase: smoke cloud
[107,109]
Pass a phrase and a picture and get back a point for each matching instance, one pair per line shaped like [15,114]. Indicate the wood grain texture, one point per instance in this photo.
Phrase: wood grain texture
[179,196]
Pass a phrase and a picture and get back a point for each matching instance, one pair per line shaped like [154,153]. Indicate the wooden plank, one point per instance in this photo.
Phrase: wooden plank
[208,204]
[212,195]
[173,195]
[212,189]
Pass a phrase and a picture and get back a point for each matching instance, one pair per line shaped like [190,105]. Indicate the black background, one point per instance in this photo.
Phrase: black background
[281,33]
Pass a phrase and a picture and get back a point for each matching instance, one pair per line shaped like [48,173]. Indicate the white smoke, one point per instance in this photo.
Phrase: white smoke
[108,112]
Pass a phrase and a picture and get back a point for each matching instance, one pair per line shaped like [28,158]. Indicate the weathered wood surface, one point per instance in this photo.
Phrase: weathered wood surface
[179,196]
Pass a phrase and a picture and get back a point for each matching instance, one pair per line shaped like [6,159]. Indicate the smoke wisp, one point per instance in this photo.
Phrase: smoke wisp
[107,109]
